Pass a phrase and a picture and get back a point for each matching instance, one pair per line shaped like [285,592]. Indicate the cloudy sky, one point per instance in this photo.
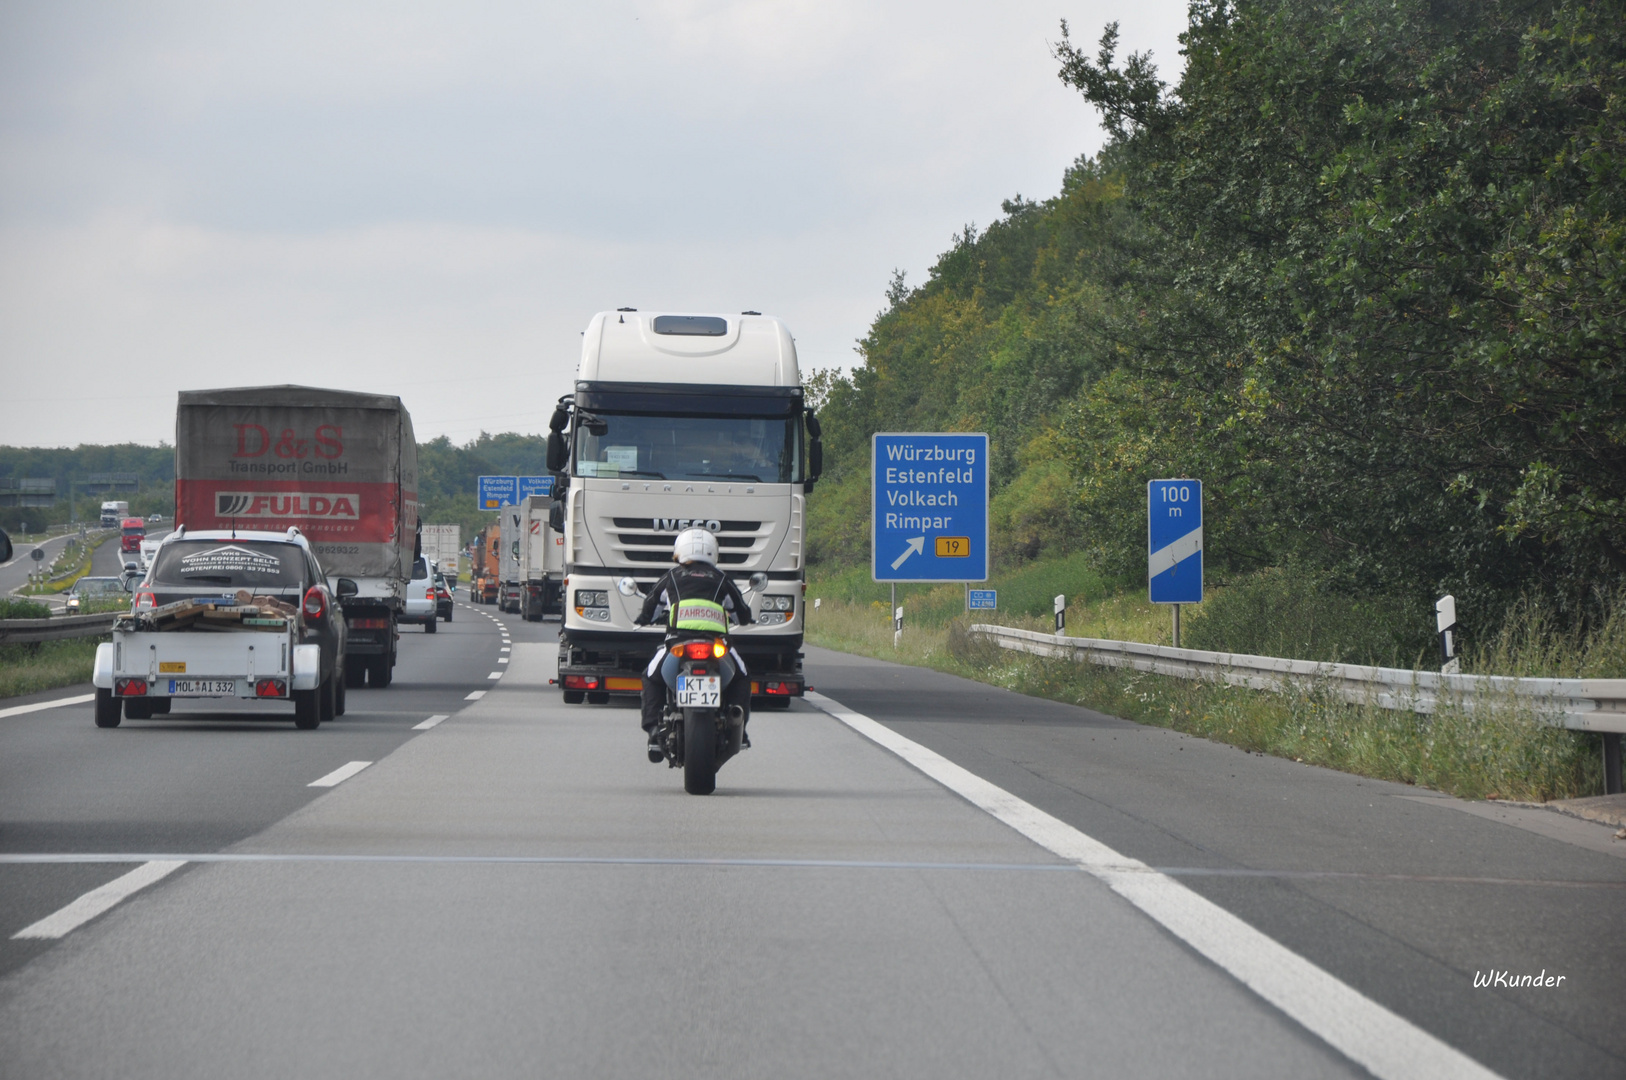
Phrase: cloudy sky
[432,200]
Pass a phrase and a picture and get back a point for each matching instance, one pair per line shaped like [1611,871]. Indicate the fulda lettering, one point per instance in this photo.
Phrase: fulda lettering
[287,504]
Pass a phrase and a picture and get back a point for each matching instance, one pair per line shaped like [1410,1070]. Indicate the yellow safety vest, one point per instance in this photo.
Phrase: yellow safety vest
[705,615]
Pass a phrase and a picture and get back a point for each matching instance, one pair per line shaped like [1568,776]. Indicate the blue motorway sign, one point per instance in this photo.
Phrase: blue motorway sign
[496,492]
[1174,541]
[982,599]
[929,506]
[534,485]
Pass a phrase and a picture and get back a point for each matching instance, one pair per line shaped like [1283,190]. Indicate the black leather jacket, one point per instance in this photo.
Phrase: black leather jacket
[694,581]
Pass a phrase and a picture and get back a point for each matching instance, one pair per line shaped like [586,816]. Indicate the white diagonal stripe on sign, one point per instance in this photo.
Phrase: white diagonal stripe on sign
[1179,551]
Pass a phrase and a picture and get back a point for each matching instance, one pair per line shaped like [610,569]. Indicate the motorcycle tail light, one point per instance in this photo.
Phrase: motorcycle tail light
[719,647]
[697,650]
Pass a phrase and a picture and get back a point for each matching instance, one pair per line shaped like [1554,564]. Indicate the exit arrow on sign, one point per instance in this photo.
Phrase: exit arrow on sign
[917,544]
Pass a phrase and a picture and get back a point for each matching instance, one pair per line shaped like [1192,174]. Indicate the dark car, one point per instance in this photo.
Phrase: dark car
[443,598]
[235,568]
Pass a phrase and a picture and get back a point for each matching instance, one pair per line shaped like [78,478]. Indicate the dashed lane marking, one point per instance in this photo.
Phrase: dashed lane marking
[502,659]
[340,775]
[1385,1044]
[429,723]
[18,710]
[475,695]
[495,675]
[96,901]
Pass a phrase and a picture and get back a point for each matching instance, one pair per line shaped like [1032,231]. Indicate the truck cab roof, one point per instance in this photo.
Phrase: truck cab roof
[721,349]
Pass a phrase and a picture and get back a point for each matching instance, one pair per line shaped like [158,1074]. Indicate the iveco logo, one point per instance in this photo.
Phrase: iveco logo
[679,524]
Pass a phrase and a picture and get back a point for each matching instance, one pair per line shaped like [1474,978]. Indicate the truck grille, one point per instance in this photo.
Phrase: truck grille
[646,540]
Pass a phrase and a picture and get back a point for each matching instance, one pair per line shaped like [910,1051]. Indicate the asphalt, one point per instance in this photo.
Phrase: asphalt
[517,891]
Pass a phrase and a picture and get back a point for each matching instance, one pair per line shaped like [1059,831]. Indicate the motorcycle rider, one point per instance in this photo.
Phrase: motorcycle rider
[693,598]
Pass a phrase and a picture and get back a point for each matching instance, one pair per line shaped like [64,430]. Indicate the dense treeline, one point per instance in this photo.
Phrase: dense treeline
[1362,270]
[448,474]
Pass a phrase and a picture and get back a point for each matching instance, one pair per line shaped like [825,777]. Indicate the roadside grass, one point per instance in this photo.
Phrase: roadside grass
[12,607]
[28,669]
[1501,753]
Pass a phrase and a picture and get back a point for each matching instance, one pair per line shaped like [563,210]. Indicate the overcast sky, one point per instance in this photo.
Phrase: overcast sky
[432,200]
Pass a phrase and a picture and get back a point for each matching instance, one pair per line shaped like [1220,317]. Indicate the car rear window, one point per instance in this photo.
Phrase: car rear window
[229,564]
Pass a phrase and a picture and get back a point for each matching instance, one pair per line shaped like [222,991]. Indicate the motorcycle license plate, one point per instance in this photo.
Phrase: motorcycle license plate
[202,687]
[699,692]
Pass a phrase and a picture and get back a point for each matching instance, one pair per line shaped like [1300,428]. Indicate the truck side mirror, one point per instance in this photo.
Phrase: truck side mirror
[558,455]
[347,588]
[556,516]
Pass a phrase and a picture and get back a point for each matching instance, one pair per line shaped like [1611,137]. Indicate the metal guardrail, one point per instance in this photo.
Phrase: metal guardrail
[61,628]
[1581,704]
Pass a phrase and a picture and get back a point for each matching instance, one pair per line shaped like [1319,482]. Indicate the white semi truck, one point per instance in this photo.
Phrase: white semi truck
[681,420]
[533,559]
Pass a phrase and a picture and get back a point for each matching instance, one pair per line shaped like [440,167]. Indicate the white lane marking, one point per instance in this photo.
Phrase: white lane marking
[502,659]
[1387,1045]
[475,695]
[340,775]
[505,648]
[18,710]
[96,901]
[429,723]
[495,675]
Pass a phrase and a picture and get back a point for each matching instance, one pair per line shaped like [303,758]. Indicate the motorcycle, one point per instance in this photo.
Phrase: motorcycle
[698,731]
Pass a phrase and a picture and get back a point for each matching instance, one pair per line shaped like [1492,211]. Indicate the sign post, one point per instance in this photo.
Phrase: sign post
[496,492]
[929,506]
[1174,544]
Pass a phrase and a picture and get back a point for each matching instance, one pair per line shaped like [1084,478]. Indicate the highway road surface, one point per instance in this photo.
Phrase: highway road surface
[910,875]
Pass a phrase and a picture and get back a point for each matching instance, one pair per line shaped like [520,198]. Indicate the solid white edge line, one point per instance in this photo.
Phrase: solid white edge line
[87,907]
[475,695]
[340,775]
[429,723]
[18,710]
[1387,1045]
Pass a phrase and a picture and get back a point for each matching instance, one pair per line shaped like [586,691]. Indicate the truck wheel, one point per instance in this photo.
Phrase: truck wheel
[448,614]
[327,699]
[429,627]
[109,709]
[383,672]
[307,711]
[572,697]
[699,751]
[355,670]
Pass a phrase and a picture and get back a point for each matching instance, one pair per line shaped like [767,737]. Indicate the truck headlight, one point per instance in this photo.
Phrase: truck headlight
[777,603]
[592,598]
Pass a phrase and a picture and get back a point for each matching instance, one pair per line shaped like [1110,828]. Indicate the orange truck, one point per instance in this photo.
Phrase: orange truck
[485,574]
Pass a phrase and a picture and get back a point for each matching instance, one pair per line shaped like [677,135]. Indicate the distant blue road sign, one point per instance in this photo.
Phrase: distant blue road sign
[534,485]
[929,506]
[983,599]
[496,492]
[1174,531]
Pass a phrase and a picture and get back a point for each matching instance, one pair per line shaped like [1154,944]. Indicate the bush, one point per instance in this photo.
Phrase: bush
[13,608]
[1294,612]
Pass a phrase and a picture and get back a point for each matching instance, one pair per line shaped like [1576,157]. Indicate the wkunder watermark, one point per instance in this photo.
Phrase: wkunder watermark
[1508,979]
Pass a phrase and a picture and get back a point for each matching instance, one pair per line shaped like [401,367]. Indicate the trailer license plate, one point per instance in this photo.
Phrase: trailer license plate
[202,687]
[703,692]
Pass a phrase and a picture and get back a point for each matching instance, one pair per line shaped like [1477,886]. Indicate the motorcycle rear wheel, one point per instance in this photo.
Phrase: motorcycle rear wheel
[699,751]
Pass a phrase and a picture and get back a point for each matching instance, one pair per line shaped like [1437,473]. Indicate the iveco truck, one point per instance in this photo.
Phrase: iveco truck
[677,421]
[341,467]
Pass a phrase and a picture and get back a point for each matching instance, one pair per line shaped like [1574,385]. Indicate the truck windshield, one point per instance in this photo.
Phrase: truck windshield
[692,447]
[230,564]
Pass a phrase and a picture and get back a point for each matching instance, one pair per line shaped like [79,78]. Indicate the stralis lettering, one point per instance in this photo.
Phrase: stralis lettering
[287,504]
[254,441]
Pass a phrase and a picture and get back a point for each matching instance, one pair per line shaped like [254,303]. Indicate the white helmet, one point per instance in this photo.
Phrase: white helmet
[695,545]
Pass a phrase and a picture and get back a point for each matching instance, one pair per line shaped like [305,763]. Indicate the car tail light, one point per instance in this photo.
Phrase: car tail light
[581,682]
[270,688]
[144,598]
[315,602]
[131,688]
